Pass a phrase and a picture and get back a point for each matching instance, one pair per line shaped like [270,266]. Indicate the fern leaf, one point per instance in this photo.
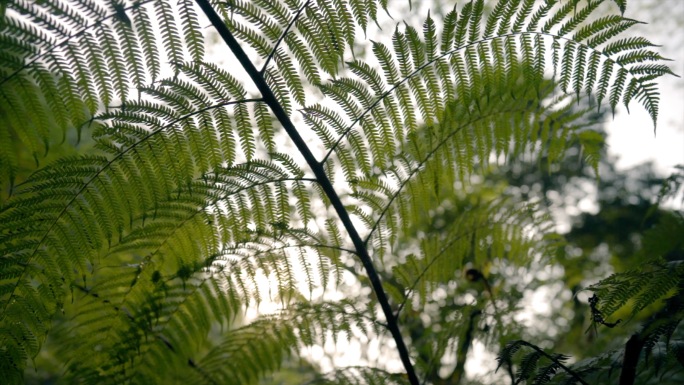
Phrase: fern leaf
[131,53]
[506,354]
[528,366]
[604,80]
[167,25]
[626,44]
[462,25]
[558,16]
[523,13]
[191,30]
[579,17]
[493,19]
[475,20]
[116,67]
[148,41]
[566,64]
[617,88]
[546,373]
[611,32]
[579,70]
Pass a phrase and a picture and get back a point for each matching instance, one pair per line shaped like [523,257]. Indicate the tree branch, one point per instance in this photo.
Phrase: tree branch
[318,170]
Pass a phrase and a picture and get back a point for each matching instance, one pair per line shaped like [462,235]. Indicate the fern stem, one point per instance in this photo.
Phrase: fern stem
[630,359]
[319,171]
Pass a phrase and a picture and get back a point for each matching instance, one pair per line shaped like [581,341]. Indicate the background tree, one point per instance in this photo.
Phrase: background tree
[152,244]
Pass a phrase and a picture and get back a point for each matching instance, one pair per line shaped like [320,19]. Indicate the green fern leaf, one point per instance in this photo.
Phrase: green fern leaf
[617,88]
[167,25]
[191,30]
[148,41]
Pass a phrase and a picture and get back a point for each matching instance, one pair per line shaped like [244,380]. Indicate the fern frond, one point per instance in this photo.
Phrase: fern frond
[267,341]
[528,366]
[167,24]
[655,282]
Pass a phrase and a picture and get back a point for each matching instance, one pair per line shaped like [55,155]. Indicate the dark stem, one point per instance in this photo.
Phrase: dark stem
[631,359]
[318,170]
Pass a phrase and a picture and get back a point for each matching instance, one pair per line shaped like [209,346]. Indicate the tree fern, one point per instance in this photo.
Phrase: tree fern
[187,197]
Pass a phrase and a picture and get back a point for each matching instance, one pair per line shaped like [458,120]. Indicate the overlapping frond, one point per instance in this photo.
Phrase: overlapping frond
[658,278]
[658,338]
[136,195]
[247,353]
[422,74]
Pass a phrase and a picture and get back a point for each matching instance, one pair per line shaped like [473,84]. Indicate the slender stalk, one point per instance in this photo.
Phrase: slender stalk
[631,359]
[318,170]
